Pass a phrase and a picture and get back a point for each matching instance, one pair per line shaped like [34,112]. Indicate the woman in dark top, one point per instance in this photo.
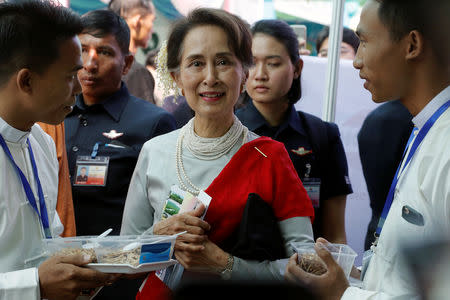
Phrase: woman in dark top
[314,146]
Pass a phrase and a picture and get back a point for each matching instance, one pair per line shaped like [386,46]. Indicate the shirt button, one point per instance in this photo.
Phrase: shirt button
[74,148]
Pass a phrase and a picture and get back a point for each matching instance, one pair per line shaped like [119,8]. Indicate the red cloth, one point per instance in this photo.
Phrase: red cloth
[153,288]
[273,178]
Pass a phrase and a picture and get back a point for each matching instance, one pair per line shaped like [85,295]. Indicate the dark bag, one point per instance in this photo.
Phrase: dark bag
[258,236]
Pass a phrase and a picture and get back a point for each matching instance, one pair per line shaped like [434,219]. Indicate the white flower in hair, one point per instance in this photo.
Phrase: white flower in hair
[166,82]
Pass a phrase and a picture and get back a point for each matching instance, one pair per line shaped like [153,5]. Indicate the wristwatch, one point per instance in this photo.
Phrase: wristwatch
[226,273]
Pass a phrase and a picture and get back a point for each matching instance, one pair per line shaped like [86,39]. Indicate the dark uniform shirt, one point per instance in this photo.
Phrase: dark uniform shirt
[382,140]
[98,208]
[292,133]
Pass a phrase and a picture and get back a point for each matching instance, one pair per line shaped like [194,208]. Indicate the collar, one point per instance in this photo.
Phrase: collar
[254,120]
[422,117]
[114,105]
[13,135]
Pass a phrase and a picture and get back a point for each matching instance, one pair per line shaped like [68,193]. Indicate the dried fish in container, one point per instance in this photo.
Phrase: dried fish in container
[76,251]
[130,257]
[311,263]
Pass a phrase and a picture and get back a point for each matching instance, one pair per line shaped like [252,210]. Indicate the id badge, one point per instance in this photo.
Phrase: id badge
[180,201]
[312,187]
[91,171]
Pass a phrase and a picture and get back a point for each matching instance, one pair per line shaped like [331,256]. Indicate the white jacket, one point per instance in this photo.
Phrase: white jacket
[424,186]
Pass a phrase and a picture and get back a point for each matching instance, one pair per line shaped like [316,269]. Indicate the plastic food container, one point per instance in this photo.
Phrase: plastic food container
[118,254]
[342,254]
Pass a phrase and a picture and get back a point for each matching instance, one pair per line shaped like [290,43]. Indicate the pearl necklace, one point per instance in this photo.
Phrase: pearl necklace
[205,148]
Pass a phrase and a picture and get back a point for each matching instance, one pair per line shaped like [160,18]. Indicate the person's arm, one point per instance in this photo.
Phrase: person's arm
[138,213]
[335,188]
[64,277]
[213,259]
[56,278]
[333,211]
[296,229]
[333,284]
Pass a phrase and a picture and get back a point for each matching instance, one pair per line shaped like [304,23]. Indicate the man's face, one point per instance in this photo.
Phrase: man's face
[54,90]
[141,33]
[83,171]
[380,60]
[104,64]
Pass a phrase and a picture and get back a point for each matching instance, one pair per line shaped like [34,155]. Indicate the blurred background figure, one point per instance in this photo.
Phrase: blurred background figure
[150,64]
[139,15]
[429,264]
[240,290]
[349,44]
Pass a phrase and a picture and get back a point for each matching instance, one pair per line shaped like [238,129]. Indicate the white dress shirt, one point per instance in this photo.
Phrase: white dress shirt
[21,231]
[424,185]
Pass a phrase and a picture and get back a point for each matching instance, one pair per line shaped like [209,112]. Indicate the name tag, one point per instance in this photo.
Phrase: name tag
[412,216]
[312,187]
[91,171]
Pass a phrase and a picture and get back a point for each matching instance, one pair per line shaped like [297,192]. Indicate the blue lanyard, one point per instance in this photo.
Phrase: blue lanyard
[95,150]
[26,186]
[420,136]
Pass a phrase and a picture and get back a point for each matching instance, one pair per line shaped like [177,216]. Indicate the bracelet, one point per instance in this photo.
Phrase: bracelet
[226,273]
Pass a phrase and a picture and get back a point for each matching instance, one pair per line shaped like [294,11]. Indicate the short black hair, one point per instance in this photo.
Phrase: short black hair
[348,36]
[126,8]
[430,18]
[236,29]
[31,33]
[102,22]
[282,32]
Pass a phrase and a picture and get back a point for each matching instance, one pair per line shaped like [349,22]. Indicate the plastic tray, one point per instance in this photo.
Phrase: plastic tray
[342,254]
[118,254]
[129,269]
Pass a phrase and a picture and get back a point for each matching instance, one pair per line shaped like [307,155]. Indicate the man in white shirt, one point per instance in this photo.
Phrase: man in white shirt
[40,55]
[403,54]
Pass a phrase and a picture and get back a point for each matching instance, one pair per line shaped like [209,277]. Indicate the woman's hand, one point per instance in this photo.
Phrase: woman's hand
[194,238]
[210,259]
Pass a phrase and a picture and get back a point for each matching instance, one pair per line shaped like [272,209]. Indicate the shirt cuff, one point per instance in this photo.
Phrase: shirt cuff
[352,293]
[21,284]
